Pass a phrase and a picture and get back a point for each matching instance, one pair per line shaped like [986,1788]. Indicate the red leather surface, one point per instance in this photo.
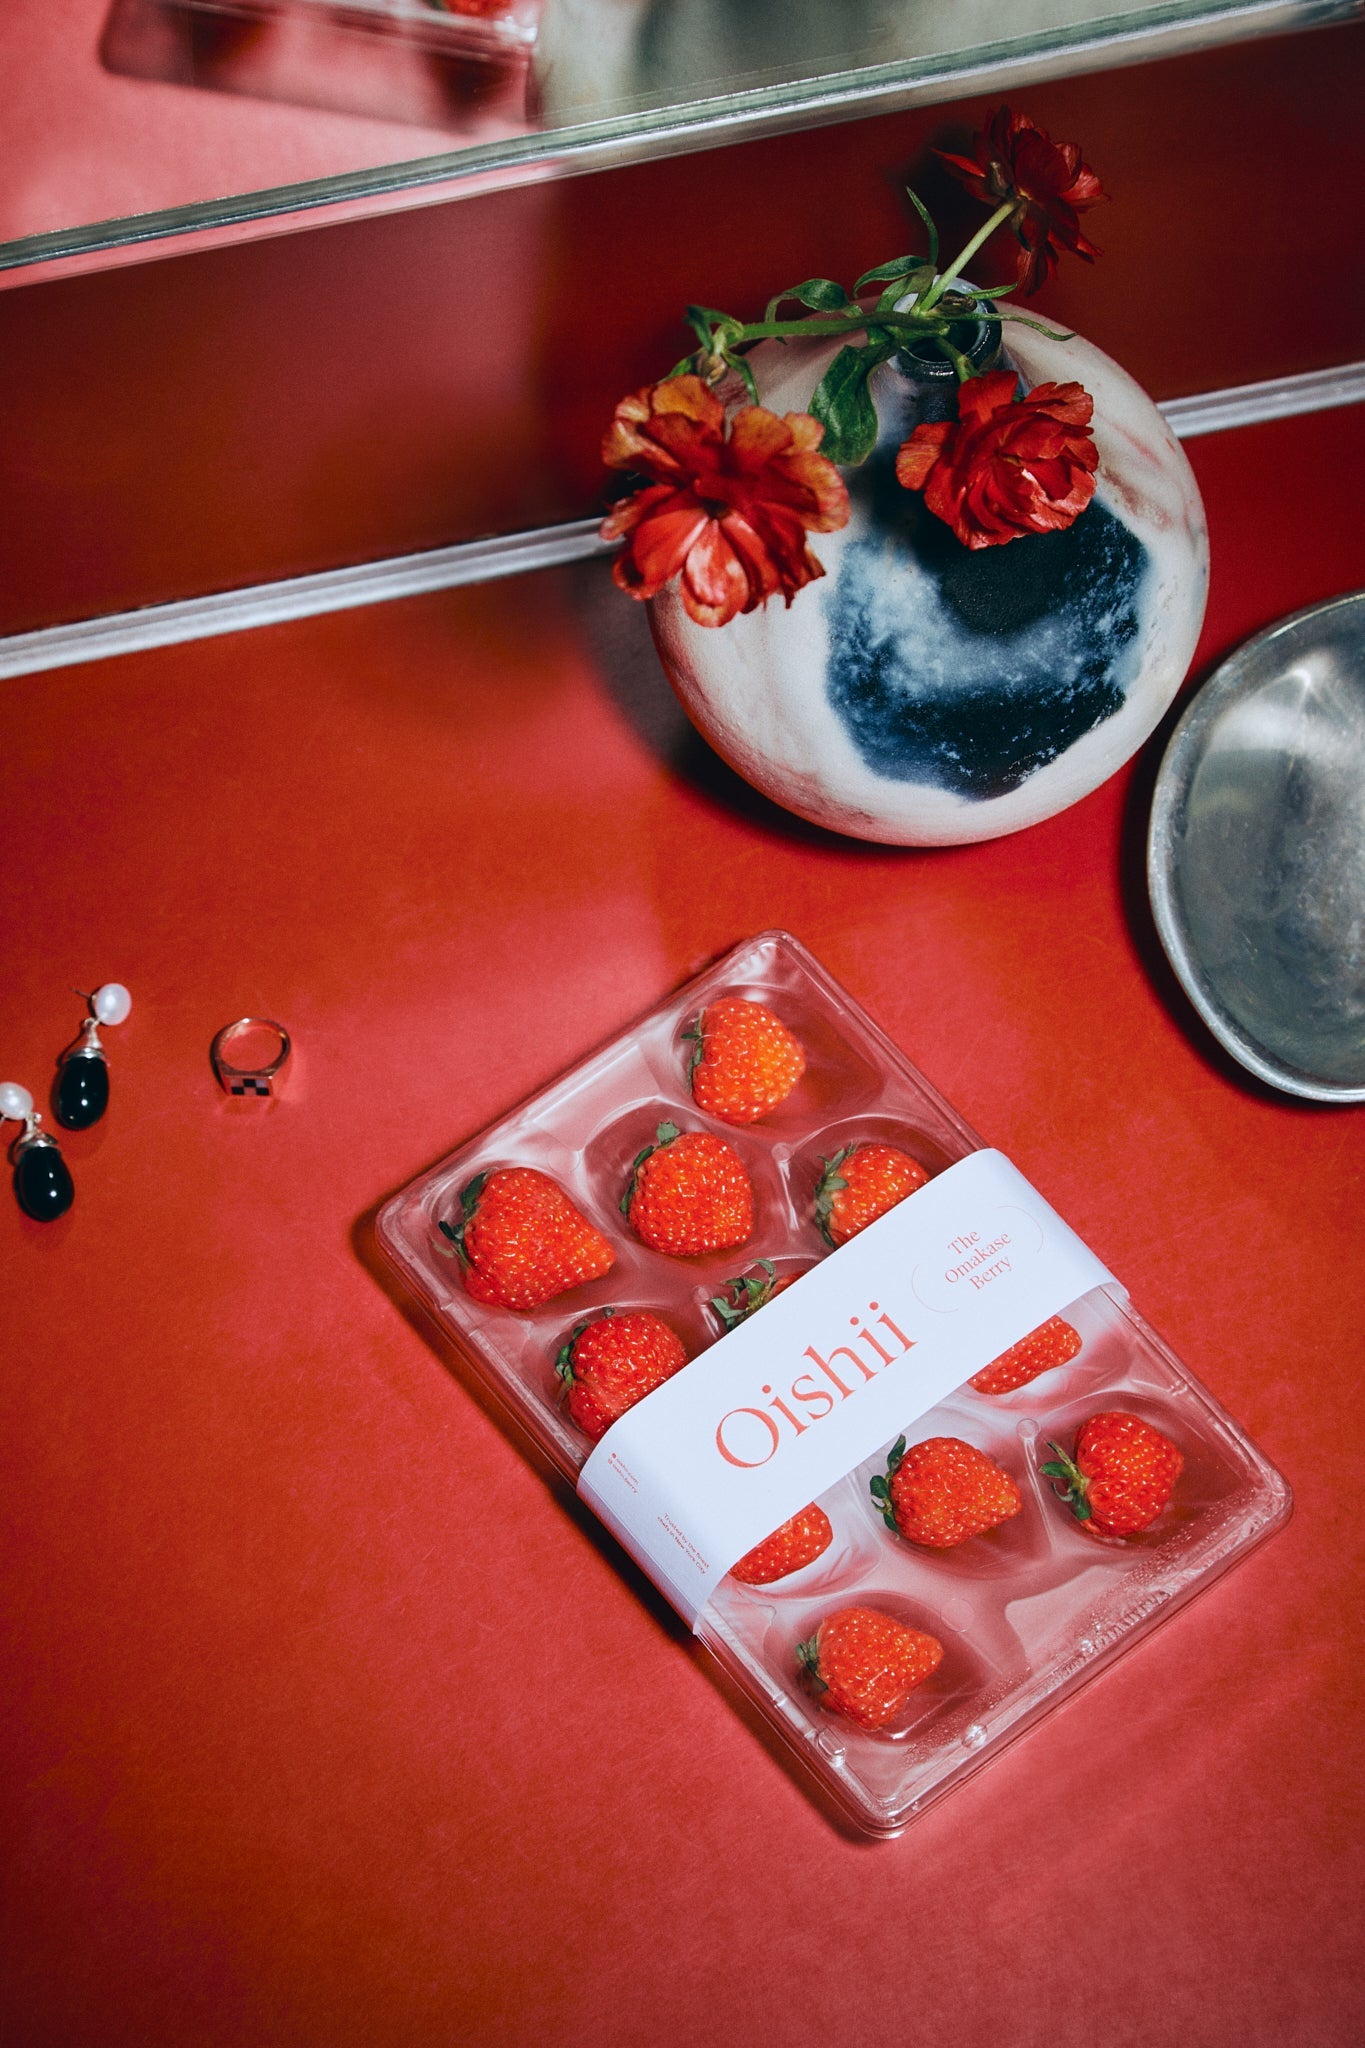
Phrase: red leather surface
[327,1718]
[350,392]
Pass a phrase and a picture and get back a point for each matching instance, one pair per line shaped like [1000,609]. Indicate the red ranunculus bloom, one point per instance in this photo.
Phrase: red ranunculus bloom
[1050,185]
[1005,466]
[730,515]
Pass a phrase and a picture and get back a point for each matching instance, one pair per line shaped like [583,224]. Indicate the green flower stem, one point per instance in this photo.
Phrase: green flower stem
[959,263]
[956,358]
[844,323]
[916,322]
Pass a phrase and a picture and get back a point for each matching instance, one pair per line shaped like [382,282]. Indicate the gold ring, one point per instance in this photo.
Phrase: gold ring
[248,1080]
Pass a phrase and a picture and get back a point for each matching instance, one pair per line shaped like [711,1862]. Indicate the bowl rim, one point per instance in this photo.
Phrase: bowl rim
[1183,755]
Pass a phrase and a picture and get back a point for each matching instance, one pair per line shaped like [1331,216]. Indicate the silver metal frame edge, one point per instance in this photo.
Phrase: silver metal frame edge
[515,554]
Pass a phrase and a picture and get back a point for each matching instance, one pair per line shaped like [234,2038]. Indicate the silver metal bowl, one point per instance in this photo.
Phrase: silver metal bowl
[1256,853]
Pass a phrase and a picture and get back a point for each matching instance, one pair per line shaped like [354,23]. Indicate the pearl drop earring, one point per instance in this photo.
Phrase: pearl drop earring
[83,1083]
[41,1180]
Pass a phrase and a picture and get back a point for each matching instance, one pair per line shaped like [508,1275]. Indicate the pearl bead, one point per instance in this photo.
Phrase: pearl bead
[111,1002]
[15,1102]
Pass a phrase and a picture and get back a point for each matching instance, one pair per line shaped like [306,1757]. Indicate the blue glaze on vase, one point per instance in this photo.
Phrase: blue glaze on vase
[969,669]
[972,668]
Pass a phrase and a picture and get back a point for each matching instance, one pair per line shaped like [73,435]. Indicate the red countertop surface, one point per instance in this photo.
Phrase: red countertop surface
[328,1717]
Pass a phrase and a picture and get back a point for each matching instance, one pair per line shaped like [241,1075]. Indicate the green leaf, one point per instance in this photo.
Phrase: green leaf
[916,281]
[1052,333]
[843,404]
[922,210]
[624,1204]
[821,294]
[899,266]
[808,1657]
[699,319]
[738,363]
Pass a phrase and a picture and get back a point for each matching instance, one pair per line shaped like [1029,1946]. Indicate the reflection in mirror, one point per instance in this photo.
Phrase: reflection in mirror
[485,68]
[597,58]
[131,122]
[456,64]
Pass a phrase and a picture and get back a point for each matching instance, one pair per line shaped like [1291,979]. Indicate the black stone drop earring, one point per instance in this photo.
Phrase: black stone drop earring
[82,1093]
[41,1180]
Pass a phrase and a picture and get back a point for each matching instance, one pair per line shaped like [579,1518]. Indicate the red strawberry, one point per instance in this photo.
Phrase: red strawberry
[748,1292]
[689,1194]
[1052,1343]
[866,1664]
[941,1491]
[1121,1477]
[744,1060]
[798,1542]
[612,1362]
[521,1241]
[860,1184]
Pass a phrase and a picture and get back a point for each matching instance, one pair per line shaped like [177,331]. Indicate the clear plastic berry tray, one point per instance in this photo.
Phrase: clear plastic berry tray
[1026,1612]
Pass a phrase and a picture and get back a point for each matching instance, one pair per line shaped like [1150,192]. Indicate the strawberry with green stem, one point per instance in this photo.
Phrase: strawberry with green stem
[688,1194]
[859,1184]
[521,1241]
[941,1491]
[749,1292]
[864,1664]
[1121,1475]
[744,1061]
[612,1361]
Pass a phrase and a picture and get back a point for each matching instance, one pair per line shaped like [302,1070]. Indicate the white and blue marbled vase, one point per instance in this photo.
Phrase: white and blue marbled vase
[925,694]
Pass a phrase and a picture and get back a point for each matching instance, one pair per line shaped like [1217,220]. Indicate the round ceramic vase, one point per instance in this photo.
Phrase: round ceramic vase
[922,693]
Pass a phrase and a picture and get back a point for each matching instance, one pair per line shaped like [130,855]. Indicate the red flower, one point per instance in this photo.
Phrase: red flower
[1005,466]
[731,515]
[1049,184]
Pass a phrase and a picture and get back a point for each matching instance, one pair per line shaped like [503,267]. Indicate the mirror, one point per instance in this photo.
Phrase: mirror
[140,127]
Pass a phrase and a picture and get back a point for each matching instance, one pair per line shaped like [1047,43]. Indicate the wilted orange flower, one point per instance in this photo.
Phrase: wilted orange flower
[729,515]
[1016,159]
[1005,466]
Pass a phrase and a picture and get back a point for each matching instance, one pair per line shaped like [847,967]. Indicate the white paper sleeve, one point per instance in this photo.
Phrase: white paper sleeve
[778,1410]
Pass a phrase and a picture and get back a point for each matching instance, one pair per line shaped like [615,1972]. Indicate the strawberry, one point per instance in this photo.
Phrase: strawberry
[1052,1343]
[860,1184]
[521,1241]
[689,1194]
[1121,1477]
[744,1060]
[941,1491]
[613,1361]
[796,1544]
[749,1291]
[865,1664]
